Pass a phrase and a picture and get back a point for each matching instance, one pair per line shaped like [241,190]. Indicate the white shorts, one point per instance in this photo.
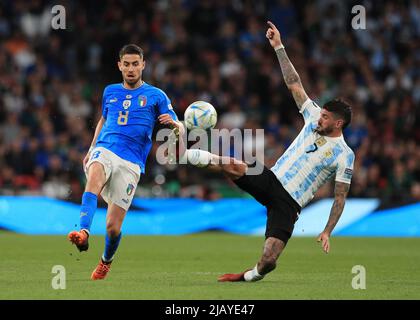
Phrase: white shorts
[122,177]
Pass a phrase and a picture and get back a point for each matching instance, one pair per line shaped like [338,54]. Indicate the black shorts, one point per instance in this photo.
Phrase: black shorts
[282,209]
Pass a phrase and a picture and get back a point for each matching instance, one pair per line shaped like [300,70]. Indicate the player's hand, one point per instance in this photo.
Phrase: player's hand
[167,120]
[324,238]
[273,35]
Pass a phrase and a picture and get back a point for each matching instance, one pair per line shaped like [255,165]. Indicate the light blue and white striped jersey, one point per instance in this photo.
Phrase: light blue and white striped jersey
[312,159]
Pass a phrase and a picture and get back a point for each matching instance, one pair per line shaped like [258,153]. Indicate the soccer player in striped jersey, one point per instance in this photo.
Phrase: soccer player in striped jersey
[317,154]
[119,149]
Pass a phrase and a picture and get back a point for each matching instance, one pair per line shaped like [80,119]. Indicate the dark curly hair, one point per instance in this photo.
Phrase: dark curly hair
[340,109]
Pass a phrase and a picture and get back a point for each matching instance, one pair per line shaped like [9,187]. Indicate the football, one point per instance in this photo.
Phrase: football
[200,114]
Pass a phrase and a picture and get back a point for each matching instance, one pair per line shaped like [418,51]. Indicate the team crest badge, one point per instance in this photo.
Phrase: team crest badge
[126,104]
[142,101]
[320,141]
[130,189]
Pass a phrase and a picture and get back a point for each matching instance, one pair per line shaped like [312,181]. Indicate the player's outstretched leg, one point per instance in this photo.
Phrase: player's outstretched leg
[114,220]
[95,182]
[273,247]
[231,167]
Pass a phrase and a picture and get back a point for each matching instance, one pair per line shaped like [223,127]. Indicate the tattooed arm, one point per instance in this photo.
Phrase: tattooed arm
[340,193]
[291,77]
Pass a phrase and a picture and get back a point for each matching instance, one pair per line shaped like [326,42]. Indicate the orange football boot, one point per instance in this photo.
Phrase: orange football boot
[101,270]
[80,239]
[232,277]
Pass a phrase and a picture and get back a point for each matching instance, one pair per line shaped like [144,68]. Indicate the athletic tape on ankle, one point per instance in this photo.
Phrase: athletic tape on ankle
[197,157]
[253,275]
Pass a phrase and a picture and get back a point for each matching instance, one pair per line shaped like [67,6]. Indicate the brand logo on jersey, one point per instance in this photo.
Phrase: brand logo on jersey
[113,100]
[142,101]
[128,96]
[130,189]
[126,104]
[312,148]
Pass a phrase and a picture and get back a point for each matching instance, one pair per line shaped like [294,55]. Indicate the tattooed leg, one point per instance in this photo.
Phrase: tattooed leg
[273,247]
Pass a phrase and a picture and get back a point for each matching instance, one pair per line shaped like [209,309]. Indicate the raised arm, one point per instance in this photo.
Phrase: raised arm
[340,194]
[291,77]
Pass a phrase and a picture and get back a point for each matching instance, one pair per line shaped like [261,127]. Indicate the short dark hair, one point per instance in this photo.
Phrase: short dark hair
[131,49]
[341,109]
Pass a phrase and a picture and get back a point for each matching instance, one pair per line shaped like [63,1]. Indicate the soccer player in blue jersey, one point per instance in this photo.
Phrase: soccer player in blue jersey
[120,146]
[317,154]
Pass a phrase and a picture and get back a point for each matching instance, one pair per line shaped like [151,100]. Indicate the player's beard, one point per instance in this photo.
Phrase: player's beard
[324,132]
[132,81]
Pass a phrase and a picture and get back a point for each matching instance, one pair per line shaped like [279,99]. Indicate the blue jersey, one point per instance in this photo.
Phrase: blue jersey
[130,116]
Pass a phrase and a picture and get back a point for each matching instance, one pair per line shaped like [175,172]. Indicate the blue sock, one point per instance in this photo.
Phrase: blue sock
[87,210]
[111,245]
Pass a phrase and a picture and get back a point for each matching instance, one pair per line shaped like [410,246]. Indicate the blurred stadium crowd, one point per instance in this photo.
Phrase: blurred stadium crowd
[51,83]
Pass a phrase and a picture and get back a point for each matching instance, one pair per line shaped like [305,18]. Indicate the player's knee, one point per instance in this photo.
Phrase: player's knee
[242,168]
[94,186]
[112,230]
[113,227]
[236,168]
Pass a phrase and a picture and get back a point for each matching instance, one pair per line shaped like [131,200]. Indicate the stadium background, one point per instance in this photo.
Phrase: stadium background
[51,83]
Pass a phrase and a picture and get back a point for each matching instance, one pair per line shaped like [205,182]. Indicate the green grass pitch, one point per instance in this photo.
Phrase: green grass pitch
[187,267]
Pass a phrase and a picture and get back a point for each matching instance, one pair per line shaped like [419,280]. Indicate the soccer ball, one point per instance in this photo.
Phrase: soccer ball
[200,114]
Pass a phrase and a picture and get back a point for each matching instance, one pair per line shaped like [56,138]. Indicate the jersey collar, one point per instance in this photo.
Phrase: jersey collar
[141,86]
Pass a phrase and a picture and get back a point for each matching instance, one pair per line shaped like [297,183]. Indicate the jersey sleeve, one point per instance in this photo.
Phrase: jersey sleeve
[310,110]
[165,106]
[345,169]
[104,103]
